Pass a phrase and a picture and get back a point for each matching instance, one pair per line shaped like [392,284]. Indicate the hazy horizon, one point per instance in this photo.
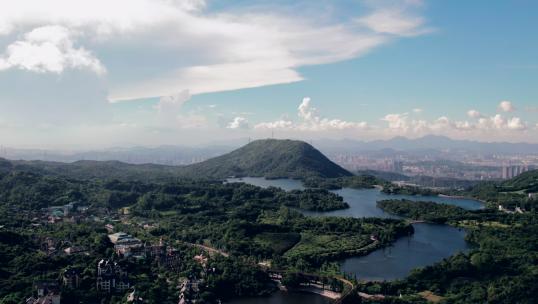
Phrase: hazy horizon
[241,141]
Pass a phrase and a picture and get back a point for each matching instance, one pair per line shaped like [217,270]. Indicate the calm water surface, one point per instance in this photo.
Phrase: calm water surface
[362,203]
[429,244]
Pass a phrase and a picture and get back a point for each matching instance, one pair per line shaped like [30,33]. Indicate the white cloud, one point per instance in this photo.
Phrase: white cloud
[498,121]
[310,120]
[48,49]
[238,123]
[464,126]
[418,110]
[515,123]
[170,114]
[398,122]
[208,79]
[474,114]
[401,124]
[506,106]
[394,21]
[205,51]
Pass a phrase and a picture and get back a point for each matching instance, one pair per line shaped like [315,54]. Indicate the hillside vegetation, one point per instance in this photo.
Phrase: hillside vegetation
[269,158]
[509,193]
[527,182]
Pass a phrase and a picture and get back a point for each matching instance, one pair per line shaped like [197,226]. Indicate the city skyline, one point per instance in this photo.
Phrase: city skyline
[192,72]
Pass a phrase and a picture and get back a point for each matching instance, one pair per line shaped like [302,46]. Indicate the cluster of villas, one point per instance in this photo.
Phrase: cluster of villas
[49,291]
[70,212]
[111,277]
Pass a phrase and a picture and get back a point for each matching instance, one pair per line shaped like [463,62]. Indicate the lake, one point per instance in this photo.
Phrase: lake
[429,244]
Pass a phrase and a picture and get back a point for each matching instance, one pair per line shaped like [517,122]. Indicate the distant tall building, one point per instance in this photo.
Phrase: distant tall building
[512,171]
[398,166]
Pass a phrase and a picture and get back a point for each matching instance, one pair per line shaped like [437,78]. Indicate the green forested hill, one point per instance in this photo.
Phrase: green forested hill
[526,181]
[89,169]
[509,193]
[269,158]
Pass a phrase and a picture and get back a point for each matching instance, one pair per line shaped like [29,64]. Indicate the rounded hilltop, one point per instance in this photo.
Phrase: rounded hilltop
[271,158]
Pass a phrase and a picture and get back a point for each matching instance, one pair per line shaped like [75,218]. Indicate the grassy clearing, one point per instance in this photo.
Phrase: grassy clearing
[430,296]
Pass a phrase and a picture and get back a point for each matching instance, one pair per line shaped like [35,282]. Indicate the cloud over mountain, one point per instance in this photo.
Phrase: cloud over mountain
[310,120]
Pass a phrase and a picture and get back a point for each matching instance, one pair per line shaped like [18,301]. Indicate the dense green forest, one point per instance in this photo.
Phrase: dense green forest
[248,223]
[407,190]
[427,211]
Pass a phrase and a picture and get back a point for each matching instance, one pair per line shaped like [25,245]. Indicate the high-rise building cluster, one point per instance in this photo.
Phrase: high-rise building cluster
[511,171]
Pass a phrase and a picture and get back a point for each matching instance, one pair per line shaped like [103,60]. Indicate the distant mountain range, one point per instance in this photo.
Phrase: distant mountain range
[268,158]
[439,146]
[164,155]
[427,143]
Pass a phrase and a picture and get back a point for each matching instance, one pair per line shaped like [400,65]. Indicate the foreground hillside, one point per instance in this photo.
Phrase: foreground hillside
[269,158]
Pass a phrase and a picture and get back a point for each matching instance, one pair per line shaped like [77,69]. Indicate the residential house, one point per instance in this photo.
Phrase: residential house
[71,278]
[111,277]
[48,292]
[75,250]
[126,245]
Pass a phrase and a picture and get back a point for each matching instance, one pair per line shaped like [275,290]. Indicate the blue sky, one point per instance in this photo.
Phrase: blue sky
[489,54]
[194,71]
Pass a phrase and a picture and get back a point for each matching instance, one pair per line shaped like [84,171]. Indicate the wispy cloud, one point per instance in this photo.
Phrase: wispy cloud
[395,21]
[225,50]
